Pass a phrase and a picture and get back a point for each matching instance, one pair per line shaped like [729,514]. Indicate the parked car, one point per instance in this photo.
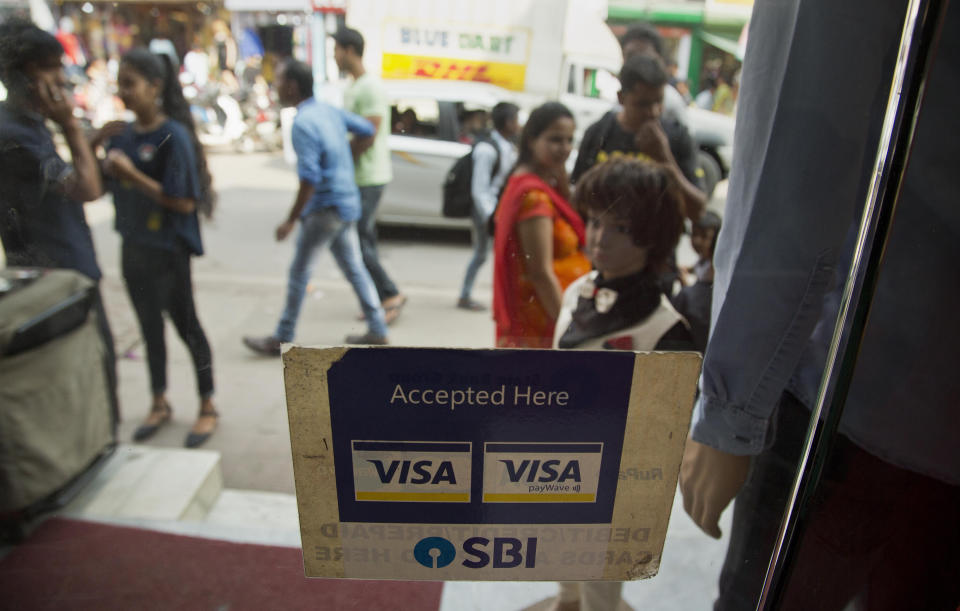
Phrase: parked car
[429,132]
[431,123]
[713,133]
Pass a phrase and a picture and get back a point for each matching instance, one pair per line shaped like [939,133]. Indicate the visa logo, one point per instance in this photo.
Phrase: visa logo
[414,472]
[541,472]
[547,471]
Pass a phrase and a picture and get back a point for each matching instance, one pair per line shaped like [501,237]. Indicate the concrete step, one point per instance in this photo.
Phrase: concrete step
[256,516]
[181,492]
[148,483]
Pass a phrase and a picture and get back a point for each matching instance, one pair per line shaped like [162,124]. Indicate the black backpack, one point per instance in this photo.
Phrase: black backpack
[457,199]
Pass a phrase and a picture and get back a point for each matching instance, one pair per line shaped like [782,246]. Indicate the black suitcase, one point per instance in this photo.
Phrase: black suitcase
[56,415]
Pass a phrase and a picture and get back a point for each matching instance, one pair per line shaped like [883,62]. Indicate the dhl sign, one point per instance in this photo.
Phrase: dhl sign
[507,76]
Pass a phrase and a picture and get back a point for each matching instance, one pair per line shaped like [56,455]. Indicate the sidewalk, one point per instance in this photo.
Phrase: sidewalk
[253,434]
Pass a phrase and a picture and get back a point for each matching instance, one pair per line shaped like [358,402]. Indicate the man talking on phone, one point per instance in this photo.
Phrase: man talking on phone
[42,223]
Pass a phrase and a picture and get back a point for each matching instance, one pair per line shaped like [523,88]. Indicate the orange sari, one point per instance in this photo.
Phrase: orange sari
[521,320]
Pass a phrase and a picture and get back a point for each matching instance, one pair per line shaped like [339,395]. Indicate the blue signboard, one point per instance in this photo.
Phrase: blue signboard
[427,436]
[416,463]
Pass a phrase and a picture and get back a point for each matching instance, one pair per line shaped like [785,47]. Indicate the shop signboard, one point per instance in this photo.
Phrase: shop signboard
[446,464]
[456,52]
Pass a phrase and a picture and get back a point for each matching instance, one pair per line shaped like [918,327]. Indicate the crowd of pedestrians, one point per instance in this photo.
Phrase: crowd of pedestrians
[156,170]
[540,244]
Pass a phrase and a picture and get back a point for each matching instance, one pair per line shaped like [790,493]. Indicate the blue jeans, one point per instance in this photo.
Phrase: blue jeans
[481,247]
[316,231]
[367,228]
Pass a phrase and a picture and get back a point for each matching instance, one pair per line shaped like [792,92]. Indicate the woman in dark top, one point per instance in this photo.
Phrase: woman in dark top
[159,182]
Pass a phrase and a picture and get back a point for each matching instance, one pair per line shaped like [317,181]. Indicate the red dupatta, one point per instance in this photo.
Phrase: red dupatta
[505,249]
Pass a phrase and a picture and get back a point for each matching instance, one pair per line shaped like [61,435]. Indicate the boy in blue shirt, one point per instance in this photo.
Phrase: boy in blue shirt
[327,206]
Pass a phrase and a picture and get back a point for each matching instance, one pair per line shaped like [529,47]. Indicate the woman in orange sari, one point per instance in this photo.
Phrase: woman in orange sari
[539,237]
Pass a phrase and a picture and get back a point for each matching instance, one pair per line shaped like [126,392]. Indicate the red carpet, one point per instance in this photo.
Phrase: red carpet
[68,564]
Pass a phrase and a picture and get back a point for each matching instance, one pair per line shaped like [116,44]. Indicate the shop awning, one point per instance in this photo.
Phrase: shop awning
[724,44]
[673,12]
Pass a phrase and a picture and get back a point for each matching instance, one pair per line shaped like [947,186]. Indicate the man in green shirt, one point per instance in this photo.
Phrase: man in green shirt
[366,97]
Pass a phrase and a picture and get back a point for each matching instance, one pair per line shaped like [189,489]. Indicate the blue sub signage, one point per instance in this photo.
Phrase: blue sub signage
[485,464]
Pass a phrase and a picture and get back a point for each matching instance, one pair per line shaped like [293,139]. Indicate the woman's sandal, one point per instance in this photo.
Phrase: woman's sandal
[145,431]
[196,439]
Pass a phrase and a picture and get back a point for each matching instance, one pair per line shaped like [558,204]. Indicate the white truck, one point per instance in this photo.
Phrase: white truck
[536,50]
[442,59]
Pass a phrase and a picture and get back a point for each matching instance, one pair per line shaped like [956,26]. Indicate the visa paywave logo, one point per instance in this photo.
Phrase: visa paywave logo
[513,472]
[505,553]
[541,472]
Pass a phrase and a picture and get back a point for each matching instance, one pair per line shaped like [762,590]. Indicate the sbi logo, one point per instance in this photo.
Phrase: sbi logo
[508,553]
[434,552]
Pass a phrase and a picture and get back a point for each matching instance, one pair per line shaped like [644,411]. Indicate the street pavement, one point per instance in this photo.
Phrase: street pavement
[239,285]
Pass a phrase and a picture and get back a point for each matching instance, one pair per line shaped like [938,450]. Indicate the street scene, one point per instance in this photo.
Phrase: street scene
[227,65]
[240,289]
[241,281]
[418,297]
[250,186]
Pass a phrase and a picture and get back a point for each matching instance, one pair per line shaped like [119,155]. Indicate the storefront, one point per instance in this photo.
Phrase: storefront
[699,36]
[290,28]
[108,29]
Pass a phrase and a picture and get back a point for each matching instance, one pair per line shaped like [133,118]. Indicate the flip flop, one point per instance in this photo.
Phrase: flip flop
[391,313]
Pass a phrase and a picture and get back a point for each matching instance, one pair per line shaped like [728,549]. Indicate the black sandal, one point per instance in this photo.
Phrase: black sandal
[146,430]
[196,439]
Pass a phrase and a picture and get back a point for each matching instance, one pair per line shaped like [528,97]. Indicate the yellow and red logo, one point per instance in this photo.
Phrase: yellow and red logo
[507,76]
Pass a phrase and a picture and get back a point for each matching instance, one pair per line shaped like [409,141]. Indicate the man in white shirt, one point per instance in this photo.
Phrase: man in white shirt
[491,168]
